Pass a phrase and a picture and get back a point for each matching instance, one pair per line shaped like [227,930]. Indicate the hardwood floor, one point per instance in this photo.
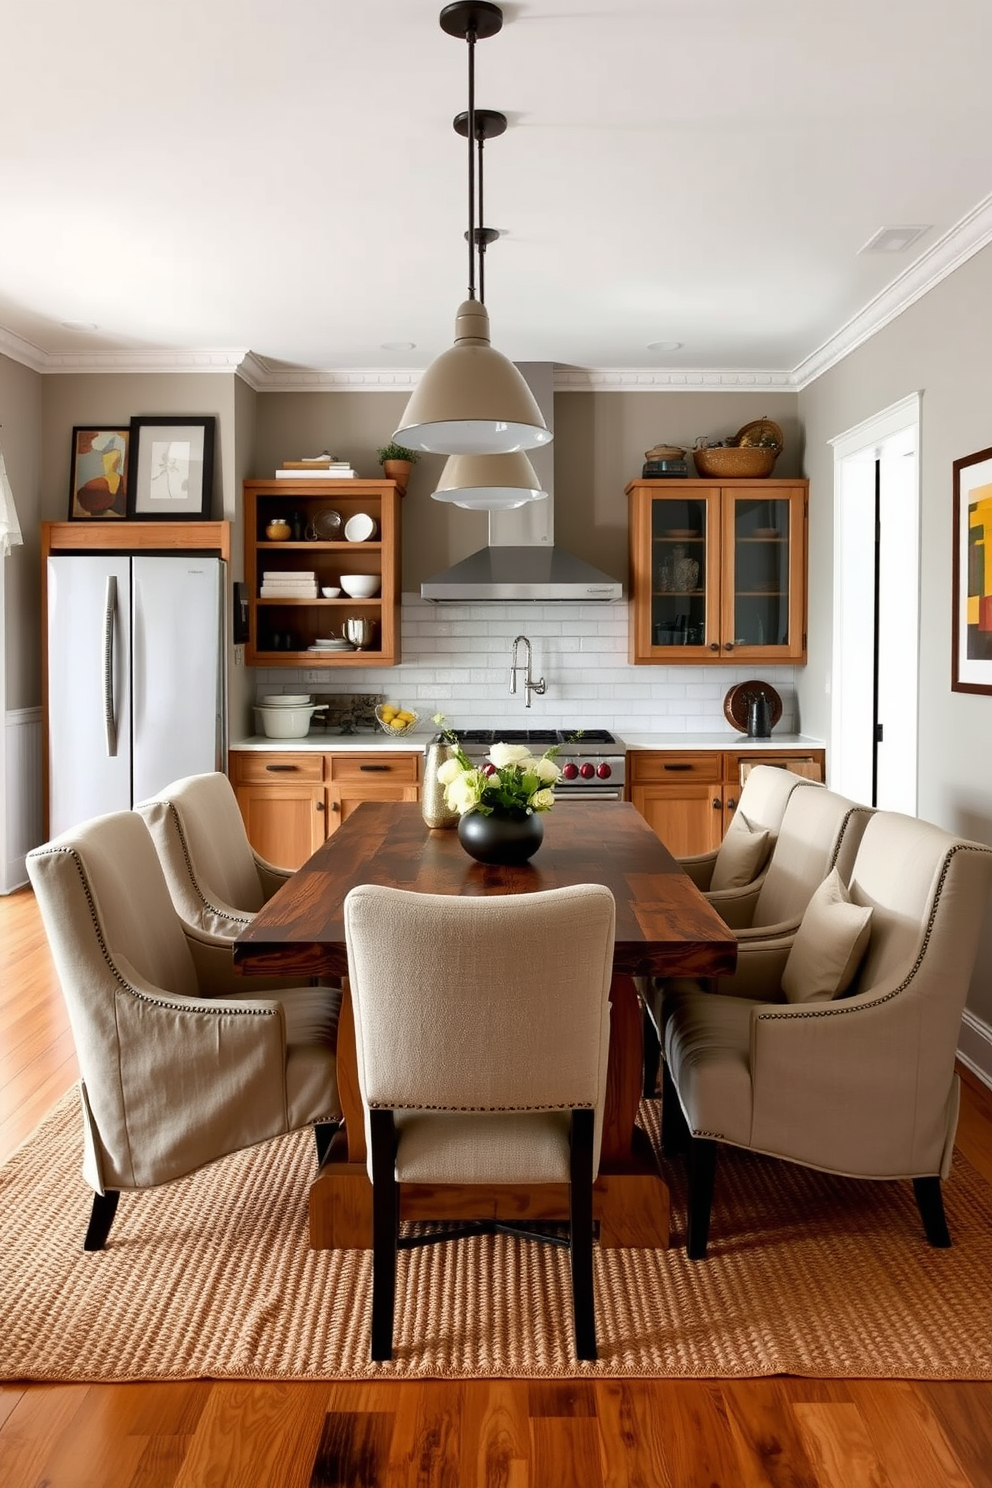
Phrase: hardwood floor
[767,1433]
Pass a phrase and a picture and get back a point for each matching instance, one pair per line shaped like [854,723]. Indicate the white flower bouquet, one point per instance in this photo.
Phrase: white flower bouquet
[512,781]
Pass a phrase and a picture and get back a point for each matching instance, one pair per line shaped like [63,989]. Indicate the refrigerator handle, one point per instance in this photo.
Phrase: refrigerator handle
[109,624]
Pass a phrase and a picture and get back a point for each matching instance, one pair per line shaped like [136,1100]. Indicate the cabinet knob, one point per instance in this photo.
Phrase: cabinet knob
[717,803]
[319,805]
[714,646]
[335,806]
[732,804]
[728,645]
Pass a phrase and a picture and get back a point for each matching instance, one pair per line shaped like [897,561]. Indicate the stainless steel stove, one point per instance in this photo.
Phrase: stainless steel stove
[591,760]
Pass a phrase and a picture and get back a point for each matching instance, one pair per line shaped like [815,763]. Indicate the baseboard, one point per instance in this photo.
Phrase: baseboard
[975,1047]
[23,815]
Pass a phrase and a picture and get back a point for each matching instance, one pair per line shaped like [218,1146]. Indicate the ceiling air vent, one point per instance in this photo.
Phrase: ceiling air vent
[894,239]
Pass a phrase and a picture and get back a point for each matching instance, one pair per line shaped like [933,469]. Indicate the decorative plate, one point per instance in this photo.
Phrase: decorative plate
[681,532]
[327,525]
[735,704]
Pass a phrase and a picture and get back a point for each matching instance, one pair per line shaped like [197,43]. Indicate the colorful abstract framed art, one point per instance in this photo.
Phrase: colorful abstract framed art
[98,474]
[971,629]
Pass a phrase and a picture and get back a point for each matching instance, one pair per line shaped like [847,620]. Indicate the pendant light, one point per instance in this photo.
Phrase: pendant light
[487,482]
[472,400]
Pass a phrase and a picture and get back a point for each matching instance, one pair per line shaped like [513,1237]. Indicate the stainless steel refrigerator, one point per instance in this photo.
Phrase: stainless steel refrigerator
[136,678]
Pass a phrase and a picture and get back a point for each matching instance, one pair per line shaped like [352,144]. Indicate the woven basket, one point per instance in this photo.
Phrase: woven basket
[731,463]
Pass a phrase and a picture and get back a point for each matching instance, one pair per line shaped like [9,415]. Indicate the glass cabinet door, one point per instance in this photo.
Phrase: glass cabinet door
[684,580]
[763,551]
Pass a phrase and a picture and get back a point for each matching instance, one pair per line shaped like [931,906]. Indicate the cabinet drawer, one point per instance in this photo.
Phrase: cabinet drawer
[808,765]
[668,768]
[374,767]
[249,768]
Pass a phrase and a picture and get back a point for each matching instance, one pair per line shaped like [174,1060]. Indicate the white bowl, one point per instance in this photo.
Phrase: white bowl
[360,528]
[361,586]
[286,700]
[330,593]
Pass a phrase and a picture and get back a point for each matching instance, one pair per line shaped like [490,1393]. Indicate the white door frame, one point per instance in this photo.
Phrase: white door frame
[864,442]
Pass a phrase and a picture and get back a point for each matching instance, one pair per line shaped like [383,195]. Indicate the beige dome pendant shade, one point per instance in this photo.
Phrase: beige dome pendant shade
[489,482]
[472,400]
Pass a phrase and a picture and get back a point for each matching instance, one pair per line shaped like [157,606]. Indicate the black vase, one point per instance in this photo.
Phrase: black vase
[500,839]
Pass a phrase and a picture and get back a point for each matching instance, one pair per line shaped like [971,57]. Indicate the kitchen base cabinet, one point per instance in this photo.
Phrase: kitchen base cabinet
[291,802]
[689,798]
[681,797]
[354,778]
[282,802]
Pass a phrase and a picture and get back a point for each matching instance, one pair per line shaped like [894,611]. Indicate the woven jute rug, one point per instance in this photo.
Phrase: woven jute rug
[213,1277]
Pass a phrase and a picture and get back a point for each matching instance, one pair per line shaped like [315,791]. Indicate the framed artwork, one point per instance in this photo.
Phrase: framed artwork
[172,468]
[98,473]
[971,633]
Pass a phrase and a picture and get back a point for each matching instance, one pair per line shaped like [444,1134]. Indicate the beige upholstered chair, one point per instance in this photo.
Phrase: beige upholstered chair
[178,1067]
[819,830]
[845,1064]
[486,1062]
[763,799]
[216,879]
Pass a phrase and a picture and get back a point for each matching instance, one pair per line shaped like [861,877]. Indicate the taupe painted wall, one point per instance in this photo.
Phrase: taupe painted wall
[21,437]
[939,346]
[599,445]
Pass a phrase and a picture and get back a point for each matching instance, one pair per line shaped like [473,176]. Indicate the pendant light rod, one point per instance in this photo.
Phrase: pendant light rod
[489,124]
[474,21]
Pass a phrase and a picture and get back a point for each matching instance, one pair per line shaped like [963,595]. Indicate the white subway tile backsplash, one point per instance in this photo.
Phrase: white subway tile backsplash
[457,661]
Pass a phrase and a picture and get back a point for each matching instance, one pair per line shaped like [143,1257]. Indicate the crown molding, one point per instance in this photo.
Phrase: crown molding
[959,243]
[338,380]
[219,361]
[22,351]
[651,380]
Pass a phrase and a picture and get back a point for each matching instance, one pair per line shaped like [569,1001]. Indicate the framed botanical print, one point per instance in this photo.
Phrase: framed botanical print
[172,468]
[98,473]
[971,632]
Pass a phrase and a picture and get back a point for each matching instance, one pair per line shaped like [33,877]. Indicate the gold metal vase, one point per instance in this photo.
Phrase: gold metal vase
[434,809]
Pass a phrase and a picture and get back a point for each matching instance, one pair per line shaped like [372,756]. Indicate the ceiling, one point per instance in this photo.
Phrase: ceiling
[214,178]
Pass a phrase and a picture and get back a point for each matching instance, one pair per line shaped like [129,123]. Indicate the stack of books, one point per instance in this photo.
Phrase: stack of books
[323,467]
[288,584]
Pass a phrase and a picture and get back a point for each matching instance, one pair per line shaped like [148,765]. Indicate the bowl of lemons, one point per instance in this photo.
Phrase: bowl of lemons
[394,720]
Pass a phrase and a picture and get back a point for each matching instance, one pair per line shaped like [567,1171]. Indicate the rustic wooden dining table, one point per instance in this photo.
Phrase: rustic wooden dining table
[664,926]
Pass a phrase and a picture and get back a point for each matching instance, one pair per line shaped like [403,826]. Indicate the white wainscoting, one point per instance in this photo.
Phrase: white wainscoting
[23,813]
[975,1046]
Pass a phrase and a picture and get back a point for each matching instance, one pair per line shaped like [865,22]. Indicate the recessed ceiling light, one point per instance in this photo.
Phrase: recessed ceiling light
[79,325]
[664,346]
[398,345]
[894,239]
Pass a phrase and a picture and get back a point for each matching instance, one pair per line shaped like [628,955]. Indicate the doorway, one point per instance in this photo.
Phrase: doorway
[875,684]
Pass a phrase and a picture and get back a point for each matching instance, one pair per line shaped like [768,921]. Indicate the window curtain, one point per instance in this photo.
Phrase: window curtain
[10,531]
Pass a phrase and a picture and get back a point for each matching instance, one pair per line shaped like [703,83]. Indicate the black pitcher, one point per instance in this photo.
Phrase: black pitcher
[759,718]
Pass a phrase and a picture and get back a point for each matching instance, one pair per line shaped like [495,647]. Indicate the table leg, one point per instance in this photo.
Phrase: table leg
[631,1199]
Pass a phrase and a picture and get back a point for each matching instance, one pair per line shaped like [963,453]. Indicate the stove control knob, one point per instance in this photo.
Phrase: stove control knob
[569,771]
[587,771]
[604,771]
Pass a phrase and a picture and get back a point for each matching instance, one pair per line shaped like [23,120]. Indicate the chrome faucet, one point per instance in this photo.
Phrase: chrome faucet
[540,686]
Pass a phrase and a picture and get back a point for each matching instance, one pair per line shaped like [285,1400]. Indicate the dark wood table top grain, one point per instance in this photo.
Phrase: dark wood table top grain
[664,924]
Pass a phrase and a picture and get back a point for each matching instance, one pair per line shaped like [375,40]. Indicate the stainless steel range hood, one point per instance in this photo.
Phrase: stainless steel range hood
[521,561]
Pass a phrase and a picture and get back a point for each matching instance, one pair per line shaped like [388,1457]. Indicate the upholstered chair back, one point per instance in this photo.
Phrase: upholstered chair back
[208,861]
[820,830]
[496,1004]
[765,795]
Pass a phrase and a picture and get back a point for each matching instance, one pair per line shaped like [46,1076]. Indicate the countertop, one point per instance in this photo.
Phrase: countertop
[320,742]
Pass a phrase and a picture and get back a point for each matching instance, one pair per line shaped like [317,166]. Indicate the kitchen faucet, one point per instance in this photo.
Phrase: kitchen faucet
[540,686]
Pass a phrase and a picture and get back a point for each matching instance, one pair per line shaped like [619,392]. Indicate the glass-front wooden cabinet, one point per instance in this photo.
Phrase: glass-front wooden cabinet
[717,571]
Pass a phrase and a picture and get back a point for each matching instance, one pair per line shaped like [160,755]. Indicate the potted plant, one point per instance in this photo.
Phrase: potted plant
[397,463]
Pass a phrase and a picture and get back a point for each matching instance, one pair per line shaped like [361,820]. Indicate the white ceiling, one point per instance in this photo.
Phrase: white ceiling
[233,176]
